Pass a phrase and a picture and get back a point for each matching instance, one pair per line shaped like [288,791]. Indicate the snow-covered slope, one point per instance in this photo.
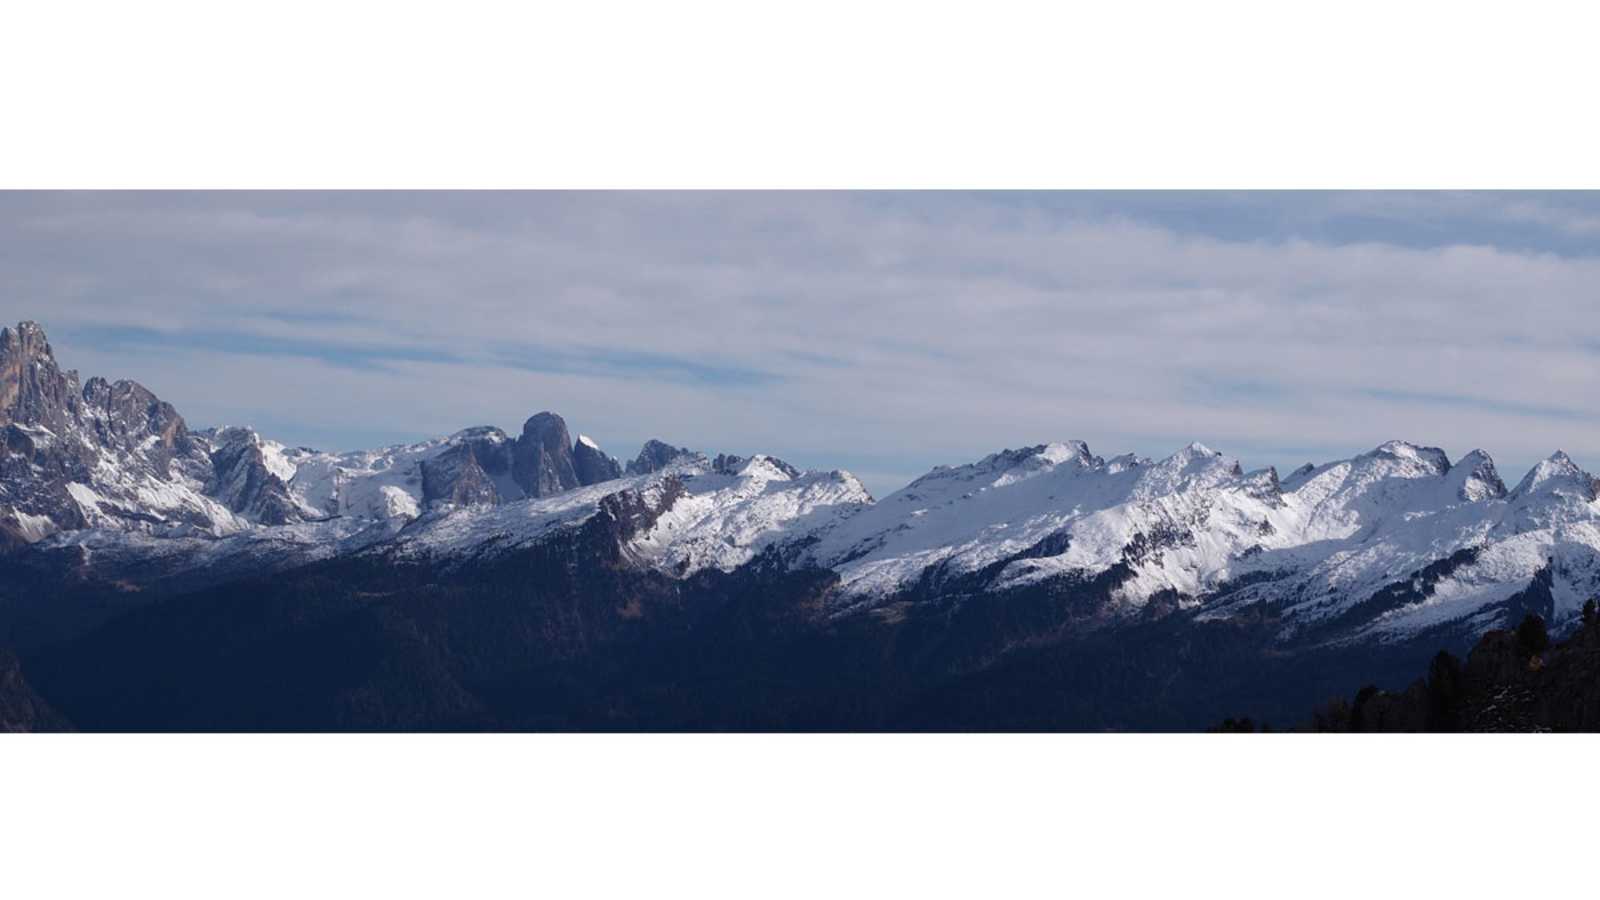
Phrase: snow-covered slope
[1345,547]
[481,465]
[133,560]
[734,508]
[1057,508]
[395,481]
[692,514]
[1397,541]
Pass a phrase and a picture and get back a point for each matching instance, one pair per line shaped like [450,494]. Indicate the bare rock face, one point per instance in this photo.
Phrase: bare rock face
[466,474]
[542,460]
[733,464]
[243,479]
[470,486]
[33,390]
[593,465]
[38,404]
[124,415]
[654,456]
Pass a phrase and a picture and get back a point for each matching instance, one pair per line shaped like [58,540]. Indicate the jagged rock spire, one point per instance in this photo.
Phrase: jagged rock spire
[33,389]
[542,463]
[593,465]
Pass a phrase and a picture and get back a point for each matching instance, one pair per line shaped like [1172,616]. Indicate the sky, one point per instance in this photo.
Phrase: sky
[883,333]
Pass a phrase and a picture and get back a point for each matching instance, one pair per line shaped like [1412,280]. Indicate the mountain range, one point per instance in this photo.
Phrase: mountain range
[157,577]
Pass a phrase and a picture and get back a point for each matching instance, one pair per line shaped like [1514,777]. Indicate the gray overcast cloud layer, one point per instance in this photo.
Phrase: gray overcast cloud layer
[879,332]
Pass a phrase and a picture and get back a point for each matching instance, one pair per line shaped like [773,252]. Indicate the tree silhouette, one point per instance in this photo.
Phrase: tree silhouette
[1358,710]
[1444,692]
[1532,635]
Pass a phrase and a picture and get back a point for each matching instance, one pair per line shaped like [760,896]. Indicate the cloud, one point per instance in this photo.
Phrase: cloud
[886,331]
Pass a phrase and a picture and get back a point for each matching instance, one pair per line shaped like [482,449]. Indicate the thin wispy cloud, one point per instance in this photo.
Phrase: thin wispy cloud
[879,332]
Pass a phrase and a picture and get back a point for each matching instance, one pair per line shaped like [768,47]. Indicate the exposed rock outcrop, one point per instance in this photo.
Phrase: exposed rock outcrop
[33,390]
[593,465]
[542,462]
[247,482]
[654,456]
[466,473]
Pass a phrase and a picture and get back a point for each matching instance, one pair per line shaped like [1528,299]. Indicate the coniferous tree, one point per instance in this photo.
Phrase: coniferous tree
[1532,635]
[1332,716]
[1358,710]
[1444,692]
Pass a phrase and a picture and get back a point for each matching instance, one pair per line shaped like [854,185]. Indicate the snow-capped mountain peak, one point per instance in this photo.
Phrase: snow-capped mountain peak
[1196,465]
[1476,478]
[656,455]
[1427,460]
[965,518]
[1557,475]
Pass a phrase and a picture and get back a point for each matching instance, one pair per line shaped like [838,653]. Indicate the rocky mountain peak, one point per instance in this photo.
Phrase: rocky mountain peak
[592,464]
[1557,475]
[33,389]
[542,462]
[125,414]
[656,455]
[28,339]
[1428,460]
[250,479]
[547,426]
[760,465]
[1300,475]
[1125,462]
[1477,477]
